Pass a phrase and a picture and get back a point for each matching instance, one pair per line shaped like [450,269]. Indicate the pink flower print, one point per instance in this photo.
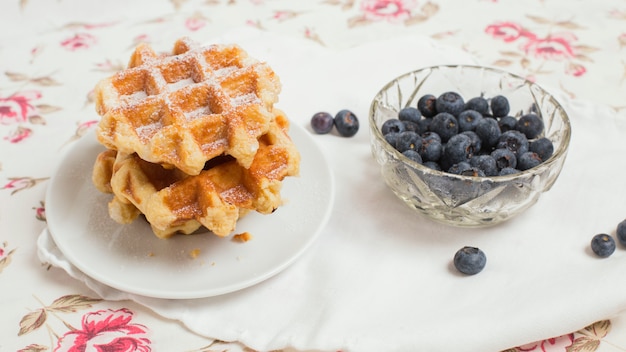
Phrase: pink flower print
[622,40]
[40,211]
[20,134]
[79,41]
[557,344]
[390,10]
[106,331]
[21,183]
[575,69]
[195,23]
[18,107]
[284,15]
[508,31]
[554,47]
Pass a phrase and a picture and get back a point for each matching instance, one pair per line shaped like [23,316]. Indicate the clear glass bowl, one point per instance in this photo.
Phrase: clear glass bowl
[465,200]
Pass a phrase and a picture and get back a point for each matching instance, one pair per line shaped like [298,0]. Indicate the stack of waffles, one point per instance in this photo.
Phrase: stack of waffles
[193,139]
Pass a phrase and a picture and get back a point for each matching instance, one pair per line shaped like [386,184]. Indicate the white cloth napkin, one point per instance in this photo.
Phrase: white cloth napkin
[380,278]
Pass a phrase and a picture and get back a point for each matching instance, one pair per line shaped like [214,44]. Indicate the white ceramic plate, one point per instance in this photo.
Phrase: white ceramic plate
[132,259]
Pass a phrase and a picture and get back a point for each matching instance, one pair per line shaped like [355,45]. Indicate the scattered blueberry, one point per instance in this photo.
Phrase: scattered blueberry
[478,104]
[427,105]
[347,123]
[392,125]
[470,260]
[543,147]
[450,102]
[603,245]
[531,125]
[322,122]
[445,125]
[500,106]
[468,119]
[621,232]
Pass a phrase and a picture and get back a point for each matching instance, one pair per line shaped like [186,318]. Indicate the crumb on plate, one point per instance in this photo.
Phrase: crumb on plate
[194,253]
[242,237]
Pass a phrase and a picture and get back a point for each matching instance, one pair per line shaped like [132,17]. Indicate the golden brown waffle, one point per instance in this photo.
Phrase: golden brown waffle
[185,108]
[173,201]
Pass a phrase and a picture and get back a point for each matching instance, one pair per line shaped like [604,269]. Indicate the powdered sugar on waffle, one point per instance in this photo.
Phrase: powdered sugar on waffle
[162,100]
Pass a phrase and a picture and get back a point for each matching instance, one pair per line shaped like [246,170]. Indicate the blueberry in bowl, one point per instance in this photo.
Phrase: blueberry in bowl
[490,143]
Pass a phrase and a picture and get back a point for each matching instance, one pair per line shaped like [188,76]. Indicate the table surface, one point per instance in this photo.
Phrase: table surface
[578,47]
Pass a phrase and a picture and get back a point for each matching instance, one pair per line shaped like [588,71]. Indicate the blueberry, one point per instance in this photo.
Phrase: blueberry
[478,104]
[433,165]
[486,163]
[424,124]
[347,123]
[410,114]
[392,125]
[427,105]
[528,160]
[445,125]
[514,141]
[508,171]
[489,132]
[507,123]
[621,232]
[504,158]
[465,169]
[460,168]
[457,149]
[431,149]
[476,141]
[408,140]
[392,138]
[603,245]
[468,119]
[412,126]
[431,135]
[322,122]
[450,102]
[413,155]
[500,106]
[470,260]
[543,147]
[473,172]
[531,125]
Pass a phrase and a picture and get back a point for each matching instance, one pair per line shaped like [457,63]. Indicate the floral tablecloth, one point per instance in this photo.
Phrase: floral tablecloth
[578,47]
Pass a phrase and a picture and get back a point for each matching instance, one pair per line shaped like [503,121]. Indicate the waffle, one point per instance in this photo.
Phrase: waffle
[173,201]
[185,108]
